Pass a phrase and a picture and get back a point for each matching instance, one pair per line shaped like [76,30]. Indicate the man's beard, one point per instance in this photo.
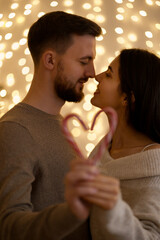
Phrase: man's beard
[64,87]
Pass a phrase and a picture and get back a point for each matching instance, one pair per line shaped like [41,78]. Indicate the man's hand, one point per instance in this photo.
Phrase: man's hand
[81,171]
[86,186]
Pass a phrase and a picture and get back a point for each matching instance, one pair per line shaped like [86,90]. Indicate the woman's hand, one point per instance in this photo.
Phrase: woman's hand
[108,190]
[86,186]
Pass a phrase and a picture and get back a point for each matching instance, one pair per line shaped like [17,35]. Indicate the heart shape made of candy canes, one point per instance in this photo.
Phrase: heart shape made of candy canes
[113,120]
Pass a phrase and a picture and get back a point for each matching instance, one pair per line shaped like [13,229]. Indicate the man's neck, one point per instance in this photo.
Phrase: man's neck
[44,101]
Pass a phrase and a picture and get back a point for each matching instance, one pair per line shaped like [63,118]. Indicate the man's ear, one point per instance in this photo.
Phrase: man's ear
[49,59]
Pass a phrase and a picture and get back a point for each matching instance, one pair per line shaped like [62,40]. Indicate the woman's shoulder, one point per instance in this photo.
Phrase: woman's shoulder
[151,146]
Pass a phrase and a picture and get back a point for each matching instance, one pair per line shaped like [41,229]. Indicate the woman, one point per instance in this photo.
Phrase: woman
[131,86]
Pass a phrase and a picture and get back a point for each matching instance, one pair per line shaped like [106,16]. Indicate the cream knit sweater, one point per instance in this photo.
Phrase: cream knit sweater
[136,215]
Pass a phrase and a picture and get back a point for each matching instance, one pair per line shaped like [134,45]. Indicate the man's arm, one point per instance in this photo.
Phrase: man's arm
[17,219]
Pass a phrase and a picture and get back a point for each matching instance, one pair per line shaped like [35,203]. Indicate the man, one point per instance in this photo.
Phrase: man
[34,156]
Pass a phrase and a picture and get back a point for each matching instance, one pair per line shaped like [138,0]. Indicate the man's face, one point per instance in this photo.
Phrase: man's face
[74,68]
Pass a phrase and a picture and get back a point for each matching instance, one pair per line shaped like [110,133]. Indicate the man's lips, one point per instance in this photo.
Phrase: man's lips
[83,80]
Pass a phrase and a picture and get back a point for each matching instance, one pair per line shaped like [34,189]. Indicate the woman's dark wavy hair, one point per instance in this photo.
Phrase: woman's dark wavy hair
[55,30]
[139,73]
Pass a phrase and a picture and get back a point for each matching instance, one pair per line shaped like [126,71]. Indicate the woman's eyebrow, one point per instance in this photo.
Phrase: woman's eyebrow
[110,68]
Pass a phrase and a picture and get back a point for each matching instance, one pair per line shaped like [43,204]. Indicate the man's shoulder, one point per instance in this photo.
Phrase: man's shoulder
[16,114]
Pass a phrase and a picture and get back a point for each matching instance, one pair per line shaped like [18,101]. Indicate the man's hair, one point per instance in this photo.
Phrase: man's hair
[139,73]
[55,30]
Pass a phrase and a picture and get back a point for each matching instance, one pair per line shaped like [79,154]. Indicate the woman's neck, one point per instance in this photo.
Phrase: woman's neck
[127,141]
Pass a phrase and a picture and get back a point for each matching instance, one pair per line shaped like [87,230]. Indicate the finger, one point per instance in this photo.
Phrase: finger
[106,179]
[110,189]
[82,173]
[88,169]
[105,204]
[80,162]
[105,196]
[84,191]
[76,176]
[101,187]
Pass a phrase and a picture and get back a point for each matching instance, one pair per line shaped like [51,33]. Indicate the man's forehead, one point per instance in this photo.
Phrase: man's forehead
[85,40]
[84,46]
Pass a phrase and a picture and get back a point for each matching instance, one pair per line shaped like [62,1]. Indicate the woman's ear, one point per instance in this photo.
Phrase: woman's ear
[49,58]
[125,99]
[132,97]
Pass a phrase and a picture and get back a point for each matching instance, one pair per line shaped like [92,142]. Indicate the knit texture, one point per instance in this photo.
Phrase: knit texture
[136,216]
[34,158]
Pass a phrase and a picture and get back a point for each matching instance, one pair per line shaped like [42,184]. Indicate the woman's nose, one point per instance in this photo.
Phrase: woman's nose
[97,77]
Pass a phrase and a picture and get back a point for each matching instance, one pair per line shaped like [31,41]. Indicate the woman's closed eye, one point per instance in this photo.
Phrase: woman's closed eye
[109,71]
[107,74]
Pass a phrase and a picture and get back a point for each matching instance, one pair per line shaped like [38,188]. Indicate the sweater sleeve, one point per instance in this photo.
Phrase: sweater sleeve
[18,221]
[53,223]
[123,223]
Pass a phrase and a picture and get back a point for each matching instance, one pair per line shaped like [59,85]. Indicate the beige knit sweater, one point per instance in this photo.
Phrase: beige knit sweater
[136,215]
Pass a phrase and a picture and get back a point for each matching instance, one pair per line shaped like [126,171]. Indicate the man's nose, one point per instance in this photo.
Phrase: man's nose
[90,71]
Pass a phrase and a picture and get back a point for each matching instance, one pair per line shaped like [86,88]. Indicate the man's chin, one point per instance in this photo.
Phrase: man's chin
[76,98]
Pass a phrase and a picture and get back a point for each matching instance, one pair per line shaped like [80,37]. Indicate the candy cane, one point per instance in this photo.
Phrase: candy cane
[68,135]
[113,119]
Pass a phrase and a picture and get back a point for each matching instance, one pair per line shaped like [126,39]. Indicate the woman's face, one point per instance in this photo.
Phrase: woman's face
[108,91]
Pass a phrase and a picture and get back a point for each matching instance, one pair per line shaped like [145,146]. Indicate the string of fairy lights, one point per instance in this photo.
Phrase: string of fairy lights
[125,24]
